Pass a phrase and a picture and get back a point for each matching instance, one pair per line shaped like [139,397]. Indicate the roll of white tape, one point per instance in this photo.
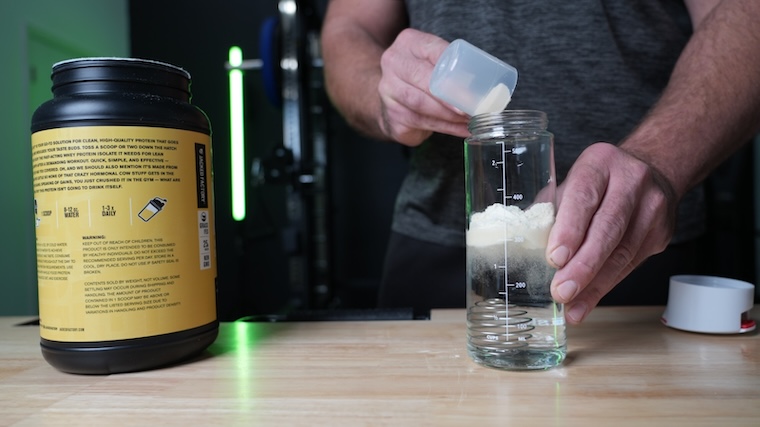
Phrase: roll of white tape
[708,304]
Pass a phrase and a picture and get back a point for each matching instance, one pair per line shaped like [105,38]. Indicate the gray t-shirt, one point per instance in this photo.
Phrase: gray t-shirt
[594,66]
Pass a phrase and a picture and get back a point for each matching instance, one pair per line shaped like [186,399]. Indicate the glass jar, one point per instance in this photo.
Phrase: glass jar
[512,321]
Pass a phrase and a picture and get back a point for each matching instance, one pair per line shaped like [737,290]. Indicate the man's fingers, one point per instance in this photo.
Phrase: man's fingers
[633,219]
[582,193]
[409,112]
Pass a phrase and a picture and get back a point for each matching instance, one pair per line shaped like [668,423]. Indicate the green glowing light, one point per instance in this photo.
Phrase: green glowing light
[243,359]
[237,134]
[248,337]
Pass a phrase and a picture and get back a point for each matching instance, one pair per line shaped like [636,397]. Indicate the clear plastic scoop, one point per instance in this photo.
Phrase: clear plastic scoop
[472,80]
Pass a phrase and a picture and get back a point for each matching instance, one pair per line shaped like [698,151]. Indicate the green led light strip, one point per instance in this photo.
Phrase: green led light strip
[237,134]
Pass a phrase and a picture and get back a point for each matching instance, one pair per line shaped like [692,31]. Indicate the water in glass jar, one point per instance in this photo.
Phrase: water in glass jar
[512,321]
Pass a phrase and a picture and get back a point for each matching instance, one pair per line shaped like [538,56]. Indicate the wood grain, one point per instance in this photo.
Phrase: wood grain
[623,368]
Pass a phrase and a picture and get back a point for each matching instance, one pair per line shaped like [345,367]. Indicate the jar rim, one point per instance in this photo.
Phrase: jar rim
[111,74]
[115,60]
[526,119]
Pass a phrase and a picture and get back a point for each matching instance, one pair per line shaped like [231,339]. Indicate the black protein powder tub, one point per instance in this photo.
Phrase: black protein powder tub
[124,215]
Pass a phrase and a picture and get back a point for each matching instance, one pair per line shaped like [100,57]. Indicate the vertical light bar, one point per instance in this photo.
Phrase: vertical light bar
[237,134]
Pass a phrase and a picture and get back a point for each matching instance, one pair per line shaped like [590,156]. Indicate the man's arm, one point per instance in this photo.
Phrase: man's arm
[712,102]
[377,72]
[617,206]
[354,35]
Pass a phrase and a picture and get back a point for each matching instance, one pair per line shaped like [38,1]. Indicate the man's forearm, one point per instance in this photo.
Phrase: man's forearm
[712,102]
[351,79]
[354,36]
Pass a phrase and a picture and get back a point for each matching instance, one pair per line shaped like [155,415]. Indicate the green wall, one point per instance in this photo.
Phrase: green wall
[35,34]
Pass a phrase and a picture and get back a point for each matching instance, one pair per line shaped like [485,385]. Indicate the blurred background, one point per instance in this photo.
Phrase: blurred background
[317,198]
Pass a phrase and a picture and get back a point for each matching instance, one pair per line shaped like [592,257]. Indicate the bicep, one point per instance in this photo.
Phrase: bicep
[377,20]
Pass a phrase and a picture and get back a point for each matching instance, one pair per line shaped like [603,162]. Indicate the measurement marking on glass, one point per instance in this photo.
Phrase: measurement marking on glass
[506,197]
[506,234]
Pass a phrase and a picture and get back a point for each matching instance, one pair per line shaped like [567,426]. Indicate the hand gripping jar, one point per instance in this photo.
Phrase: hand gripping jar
[124,217]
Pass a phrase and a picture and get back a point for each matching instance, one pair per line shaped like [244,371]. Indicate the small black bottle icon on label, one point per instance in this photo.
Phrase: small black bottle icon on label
[152,208]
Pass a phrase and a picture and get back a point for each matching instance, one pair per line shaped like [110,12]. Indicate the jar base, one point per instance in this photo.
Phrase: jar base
[113,357]
[521,359]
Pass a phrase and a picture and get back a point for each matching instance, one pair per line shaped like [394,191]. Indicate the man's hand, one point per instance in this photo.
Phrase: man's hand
[614,211]
[617,206]
[409,112]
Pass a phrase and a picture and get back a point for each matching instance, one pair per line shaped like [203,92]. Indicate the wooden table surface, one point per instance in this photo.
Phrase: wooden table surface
[623,368]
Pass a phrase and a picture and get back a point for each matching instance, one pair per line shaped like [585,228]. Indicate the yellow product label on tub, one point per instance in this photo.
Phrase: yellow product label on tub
[125,232]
